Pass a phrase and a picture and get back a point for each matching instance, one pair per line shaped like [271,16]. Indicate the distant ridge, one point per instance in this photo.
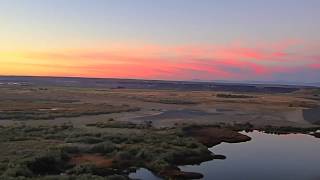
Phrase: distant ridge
[290,83]
[148,84]
[246,82]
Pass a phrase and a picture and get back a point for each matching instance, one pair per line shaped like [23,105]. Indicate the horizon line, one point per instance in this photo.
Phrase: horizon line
[251,82]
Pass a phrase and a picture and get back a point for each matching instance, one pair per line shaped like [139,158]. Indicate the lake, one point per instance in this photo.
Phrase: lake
[265,157]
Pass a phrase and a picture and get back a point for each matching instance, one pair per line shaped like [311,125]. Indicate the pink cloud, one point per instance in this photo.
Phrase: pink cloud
[315,66]
[235,61]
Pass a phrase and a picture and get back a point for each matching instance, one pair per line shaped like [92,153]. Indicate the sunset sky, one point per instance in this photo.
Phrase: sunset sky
[263,40]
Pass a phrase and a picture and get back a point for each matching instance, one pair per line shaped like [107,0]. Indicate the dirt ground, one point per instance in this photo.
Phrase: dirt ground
[98,160]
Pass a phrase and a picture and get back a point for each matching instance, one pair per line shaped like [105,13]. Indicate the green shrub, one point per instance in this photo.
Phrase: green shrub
[85,140]
[159,165]
[124,155]
[103,148]
[71,149]
[72,177]
[233,96]
[116,177]
[91,169]
[52,162]
[18,170]
[117,139]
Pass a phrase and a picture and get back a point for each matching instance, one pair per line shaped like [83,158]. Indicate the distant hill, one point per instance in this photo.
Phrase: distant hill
[316,84]
[148,84]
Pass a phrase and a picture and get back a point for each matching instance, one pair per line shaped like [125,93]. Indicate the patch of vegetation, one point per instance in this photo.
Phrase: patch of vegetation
[288,130]
[52,162]
[233,96]
[105,147]
[85,140]
[171,101]
[247,126]
[304,104]
[48,151]
[49,162]
[22,132]
[316,92]
[116,124]
[27,111]
[176,101]
[93,170]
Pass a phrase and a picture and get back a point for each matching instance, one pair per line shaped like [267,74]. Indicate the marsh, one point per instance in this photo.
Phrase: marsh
[49,128]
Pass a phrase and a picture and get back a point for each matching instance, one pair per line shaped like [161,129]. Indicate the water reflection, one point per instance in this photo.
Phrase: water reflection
[143,174]
[266,156]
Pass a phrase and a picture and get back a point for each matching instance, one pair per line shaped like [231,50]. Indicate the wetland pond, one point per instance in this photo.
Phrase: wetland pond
[266,156]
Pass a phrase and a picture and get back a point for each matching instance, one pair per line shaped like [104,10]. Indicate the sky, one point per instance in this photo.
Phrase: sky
[258,40]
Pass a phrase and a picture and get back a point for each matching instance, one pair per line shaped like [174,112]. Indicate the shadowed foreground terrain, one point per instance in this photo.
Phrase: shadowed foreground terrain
[72,128]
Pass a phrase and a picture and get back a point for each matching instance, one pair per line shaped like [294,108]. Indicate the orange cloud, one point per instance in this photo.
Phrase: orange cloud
[162,62]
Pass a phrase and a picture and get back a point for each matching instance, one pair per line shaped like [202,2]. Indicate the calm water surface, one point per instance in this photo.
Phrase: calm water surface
[265,157]
[144,174]
[283,157]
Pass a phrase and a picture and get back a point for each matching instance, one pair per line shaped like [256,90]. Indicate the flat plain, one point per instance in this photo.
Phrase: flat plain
[73,128]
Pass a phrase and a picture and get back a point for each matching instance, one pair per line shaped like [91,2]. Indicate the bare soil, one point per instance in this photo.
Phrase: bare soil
[96,159]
